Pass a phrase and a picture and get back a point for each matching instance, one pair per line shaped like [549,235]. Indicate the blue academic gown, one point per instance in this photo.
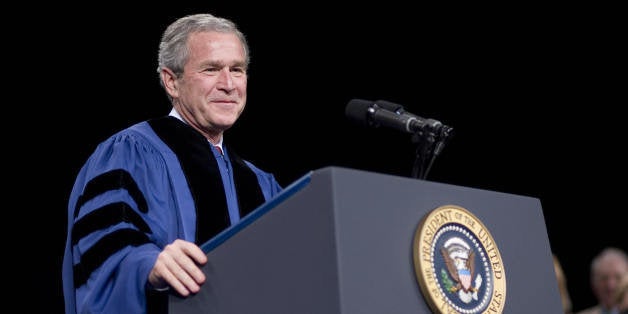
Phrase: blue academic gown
[141,189]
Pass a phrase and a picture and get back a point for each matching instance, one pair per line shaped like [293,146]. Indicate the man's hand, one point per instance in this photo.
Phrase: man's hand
[178,266]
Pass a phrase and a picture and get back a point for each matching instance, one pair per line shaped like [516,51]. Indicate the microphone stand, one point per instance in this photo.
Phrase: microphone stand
[430,143]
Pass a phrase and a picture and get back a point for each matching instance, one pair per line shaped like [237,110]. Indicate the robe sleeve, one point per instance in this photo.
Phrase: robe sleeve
[121,214]
[269,185]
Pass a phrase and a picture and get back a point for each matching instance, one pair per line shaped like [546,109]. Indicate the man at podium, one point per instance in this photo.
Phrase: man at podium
[149,195]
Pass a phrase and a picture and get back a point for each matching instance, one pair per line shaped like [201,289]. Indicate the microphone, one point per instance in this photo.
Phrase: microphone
[388,114]
[398,109]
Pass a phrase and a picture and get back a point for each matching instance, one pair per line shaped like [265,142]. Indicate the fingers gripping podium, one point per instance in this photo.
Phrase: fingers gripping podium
[340,240]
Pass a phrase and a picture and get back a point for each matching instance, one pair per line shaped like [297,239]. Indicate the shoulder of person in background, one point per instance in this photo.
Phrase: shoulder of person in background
[592,310]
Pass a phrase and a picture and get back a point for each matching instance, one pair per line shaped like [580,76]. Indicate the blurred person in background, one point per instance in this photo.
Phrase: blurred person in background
[607,270]
[562,286]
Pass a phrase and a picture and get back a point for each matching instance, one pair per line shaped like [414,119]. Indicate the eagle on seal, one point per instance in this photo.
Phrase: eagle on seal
[461,267]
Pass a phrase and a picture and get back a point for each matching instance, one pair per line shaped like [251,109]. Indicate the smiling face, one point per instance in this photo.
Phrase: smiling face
[210,94]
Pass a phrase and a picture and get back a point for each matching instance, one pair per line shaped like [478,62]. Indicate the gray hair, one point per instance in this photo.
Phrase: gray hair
[173,50]
[612,252]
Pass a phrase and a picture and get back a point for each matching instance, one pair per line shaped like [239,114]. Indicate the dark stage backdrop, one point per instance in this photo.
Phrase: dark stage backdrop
[533,94]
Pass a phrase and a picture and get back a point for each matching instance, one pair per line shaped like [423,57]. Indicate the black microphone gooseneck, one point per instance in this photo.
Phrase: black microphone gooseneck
[429,135]
[429,146]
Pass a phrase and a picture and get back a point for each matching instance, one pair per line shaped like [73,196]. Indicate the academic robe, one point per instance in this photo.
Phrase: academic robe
[142,188]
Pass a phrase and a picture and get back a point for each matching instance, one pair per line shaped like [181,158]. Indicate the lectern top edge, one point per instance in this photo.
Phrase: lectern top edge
[258,212]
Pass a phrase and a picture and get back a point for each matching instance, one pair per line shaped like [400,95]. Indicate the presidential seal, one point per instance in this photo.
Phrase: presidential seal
[457,263]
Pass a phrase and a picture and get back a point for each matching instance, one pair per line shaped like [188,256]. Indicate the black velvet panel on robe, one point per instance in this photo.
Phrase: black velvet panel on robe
[203,177]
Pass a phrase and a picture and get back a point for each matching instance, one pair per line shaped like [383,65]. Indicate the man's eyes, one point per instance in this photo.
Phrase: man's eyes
[232,70]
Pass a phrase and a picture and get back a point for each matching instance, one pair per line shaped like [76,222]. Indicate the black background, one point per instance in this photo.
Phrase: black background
[535,95]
